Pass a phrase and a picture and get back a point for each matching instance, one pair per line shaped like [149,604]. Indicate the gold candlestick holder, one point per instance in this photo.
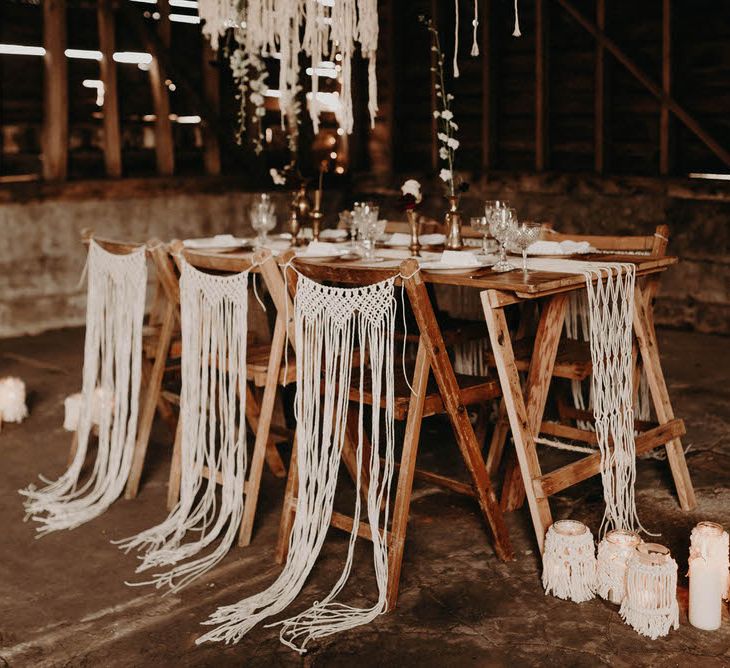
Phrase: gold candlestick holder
[415,245]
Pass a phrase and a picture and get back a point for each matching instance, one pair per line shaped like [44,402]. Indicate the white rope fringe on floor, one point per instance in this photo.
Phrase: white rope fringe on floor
[330,323]
[214,312]
[113,361]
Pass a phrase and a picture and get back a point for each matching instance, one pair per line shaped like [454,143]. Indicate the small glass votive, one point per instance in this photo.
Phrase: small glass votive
[650,605]
[709,566]
[614,552]
[569,561]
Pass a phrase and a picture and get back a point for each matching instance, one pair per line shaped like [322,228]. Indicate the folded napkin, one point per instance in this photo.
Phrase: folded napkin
[566,247]
[460,259]
[333,235]
[402,239]
[217,241]
[321,249]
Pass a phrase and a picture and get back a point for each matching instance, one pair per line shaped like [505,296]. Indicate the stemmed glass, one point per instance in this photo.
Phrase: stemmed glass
[501,224]
[369,226]
[263,218]
[481,224]
[348,221]
[523,236]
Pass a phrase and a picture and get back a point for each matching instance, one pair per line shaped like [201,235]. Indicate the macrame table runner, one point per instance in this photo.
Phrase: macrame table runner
[610,293]
[112,362]
[330,323]
[214,325]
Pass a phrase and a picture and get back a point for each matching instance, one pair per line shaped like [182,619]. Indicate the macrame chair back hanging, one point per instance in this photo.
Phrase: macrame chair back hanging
[214,326]
[112,362]
[330,324]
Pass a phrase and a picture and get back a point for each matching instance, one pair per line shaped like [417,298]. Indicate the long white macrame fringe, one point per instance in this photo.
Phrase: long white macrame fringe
[113,360]
[329,324]
[214,318]
[290,27]
[569,565]
[650,606]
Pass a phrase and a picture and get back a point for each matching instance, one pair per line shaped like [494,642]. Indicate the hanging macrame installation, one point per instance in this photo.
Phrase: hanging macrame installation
[112,361]
[569,561]
[285,29]
[214,325]
[330,324]
[610,307]
[650,606]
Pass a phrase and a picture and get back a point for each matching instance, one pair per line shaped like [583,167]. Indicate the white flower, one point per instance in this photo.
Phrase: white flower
[412,187]
[257,99]
[443,153]
[449,97]
[445,175]
[447,115]
[453,143]
[454,125]
[443,137]
[435,114]
[277,177]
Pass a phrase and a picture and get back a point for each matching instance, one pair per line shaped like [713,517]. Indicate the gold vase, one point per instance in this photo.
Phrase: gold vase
[298,213]
[452,222]
[415,246]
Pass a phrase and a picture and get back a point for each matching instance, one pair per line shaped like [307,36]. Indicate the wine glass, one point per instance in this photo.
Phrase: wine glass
[481,224]
[348,221]
[263,220]
[501,224]
[523,236]
[370,229]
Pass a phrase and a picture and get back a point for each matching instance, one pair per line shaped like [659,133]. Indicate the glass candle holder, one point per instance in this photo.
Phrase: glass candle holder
[614,552]
[650,605]
[708,575]
[569,561]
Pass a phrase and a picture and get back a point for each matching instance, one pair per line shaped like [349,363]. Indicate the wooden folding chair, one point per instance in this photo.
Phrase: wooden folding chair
[573,362]
[264,368]
[446,393]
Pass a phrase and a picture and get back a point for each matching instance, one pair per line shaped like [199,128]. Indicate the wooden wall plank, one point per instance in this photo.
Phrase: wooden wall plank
[541,86]
[55,92]
[164,143]
[108,74]
[488,98]
[211,92]
[599,135]
[665,148]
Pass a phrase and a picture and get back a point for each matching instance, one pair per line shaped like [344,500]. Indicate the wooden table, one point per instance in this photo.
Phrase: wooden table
[525,409]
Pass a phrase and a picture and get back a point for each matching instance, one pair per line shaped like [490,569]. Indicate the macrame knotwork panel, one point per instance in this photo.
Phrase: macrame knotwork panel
[113,362]
[330,324]
[214,320]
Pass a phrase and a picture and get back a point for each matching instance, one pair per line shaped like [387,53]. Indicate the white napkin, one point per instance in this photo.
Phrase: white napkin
[566,247]
[212,242]
[460,259]
[402,239]
[333,235]
[321,249]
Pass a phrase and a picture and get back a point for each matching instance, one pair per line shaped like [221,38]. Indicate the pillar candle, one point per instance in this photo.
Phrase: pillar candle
[708,575]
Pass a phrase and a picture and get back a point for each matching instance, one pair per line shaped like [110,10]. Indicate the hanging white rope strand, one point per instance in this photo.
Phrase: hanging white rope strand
[113,363]
[516,32]
[456,39]
[214,319]
[475,25]
[329,323]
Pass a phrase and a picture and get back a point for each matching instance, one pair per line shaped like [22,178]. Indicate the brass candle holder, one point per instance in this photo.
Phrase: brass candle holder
[415,245]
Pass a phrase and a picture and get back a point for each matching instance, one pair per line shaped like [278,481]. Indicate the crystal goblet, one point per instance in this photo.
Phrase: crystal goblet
[523,236]
[501,224]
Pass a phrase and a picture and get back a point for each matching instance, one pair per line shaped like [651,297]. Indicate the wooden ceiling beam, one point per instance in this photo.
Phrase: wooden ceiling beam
[108,73]
[55,92]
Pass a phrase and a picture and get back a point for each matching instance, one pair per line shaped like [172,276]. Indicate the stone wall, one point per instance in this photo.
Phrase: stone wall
[41,258]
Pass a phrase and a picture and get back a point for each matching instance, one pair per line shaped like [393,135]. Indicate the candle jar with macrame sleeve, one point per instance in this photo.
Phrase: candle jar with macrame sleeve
[569,561]
[614,552]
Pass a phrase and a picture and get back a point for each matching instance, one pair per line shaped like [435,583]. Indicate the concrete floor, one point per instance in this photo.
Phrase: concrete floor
[63,601]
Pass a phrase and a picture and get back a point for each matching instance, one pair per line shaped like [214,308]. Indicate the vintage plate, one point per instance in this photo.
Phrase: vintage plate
[219,244]
[439,267]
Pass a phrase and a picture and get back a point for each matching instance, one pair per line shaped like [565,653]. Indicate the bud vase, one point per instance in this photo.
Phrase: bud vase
[452,222]
[415,245]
